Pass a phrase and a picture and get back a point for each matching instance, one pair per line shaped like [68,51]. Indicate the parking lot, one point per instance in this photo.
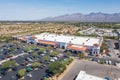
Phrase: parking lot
[98,32]
[92,68]
[26,54]
[8,51]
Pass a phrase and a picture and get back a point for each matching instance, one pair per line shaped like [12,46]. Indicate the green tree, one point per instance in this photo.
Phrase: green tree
[102,62]
[56,67]
[104,45]
[8,38]
[10,49]
[27,48]
[81,55]
[42,49]
[77,34]
[68,53]
[53,53]
[67,61]
[21,72]
[46,78]
[35,64]
[34,46]
[46,58]
[8,64]
[49,47]
[35,54]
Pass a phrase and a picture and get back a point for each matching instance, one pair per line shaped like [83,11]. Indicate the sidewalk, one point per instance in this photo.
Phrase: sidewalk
[67,69]
[64,73]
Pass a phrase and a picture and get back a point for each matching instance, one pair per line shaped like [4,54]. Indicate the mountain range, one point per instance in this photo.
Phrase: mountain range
[91,17]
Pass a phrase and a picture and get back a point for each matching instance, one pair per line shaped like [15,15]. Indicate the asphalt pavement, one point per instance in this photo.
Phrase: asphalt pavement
[112,48]
[93,68]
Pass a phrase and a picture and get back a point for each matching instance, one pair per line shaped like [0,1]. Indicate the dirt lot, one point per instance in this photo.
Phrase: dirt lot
[15,28]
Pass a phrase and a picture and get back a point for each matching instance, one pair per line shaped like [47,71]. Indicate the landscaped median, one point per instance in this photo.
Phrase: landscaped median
[57,68]
[22,72]
[9,64]
[12,58]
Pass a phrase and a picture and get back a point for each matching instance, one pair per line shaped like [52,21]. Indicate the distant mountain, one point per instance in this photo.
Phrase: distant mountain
[92,17]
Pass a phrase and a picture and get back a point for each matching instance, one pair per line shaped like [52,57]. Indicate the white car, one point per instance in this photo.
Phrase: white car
[55,58]
[42,54]
[28,65]
[98,61]
[110,62]
[52,60]
[29,75]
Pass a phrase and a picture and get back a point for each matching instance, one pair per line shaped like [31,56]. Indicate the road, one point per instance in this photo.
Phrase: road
[92,68]
[112,48]
[105,58]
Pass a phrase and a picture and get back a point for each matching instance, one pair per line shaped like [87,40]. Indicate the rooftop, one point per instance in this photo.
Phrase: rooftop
[84,76]
[87,41]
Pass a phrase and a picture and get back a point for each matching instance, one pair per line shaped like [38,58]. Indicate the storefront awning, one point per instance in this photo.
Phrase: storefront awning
[23,39]
[96,44]
[46,42]
[34,37]
[76,47]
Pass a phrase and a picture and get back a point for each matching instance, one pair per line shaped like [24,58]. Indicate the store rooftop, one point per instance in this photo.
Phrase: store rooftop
[87,41]
[84,76]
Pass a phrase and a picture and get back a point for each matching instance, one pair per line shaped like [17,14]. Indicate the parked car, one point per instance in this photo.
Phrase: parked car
[28,59]
[52,60]
[41,67]
[9,56]
[119,56]
[3,72]
[3,57]
[42,54]
[29,75]
[29,69]
[50,75]
[110,62]
[14,68]
[106,62]
[55,58]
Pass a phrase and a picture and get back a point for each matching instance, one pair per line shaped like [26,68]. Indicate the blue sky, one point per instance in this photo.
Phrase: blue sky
[38,9]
